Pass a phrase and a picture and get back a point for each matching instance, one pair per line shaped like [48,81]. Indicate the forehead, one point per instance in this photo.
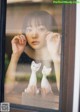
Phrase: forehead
[35,22]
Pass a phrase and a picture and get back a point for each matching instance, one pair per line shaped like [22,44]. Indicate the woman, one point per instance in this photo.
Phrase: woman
[39,41]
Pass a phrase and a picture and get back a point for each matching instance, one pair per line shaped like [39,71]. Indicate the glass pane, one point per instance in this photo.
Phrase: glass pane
[33,52]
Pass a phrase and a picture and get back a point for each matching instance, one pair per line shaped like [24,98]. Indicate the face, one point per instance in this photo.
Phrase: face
[36,34]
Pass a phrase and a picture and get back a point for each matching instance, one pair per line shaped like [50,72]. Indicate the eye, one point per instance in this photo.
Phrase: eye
[33,65]
[42,28]
[28,29]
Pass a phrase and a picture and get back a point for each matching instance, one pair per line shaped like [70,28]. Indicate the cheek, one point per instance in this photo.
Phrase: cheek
[43,41]
[43,37]
[28,37]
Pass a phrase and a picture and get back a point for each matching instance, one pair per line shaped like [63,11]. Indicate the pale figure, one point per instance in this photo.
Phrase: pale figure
[45,85]
[32,86]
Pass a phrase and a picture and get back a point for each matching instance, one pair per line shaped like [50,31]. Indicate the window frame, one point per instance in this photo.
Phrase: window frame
[67,60]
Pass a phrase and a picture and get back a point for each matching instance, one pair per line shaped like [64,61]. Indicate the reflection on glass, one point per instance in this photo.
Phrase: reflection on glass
[32,58]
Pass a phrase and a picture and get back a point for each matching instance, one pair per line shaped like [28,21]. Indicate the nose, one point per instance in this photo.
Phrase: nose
[34,33]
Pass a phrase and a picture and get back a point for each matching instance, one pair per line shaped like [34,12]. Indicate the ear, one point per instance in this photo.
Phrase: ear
[50,69]
[33,62]
[39,64]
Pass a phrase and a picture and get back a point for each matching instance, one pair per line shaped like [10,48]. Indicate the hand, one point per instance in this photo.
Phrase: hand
[18,44]
[53,42]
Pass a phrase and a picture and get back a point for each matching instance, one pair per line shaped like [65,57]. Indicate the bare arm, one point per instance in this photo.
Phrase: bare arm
[11,71]
[54,48]
[18,45]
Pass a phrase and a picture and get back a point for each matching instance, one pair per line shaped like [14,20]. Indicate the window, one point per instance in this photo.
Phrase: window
[18,93]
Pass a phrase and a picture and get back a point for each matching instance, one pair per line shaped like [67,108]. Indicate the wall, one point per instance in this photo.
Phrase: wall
[77,61]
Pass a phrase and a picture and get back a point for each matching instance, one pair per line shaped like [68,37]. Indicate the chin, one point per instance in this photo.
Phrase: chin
[36,48]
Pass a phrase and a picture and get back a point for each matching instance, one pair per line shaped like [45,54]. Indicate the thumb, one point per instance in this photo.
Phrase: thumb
[49,36]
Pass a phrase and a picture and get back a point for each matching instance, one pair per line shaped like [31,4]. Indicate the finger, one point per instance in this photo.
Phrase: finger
[56,37]
[49,36]
[23,39]
[15,39]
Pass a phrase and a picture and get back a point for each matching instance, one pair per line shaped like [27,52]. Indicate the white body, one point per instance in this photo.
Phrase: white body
[45,85]
[33,79]
[32,86]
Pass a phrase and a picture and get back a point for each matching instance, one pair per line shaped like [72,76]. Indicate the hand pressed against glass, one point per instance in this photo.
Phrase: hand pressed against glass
[53,44]
[18,44]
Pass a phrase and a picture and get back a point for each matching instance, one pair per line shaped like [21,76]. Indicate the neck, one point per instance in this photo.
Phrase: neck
[33,72]
[44,76]
[41,54]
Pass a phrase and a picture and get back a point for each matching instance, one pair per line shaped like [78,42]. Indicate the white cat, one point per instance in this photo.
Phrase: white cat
[32,86]
[45,85]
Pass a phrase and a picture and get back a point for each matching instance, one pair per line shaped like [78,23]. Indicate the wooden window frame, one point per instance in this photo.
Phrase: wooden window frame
[67,63]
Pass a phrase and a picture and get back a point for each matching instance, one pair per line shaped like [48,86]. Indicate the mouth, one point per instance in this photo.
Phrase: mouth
[35,42]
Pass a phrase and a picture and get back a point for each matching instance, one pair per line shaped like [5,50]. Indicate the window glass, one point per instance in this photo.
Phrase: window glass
[33,52]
